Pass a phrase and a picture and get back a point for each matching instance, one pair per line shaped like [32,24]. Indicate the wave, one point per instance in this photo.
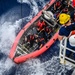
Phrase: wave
[10,24]
[33,5]
[36,67]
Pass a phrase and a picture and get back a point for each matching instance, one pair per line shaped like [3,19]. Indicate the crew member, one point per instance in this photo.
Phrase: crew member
[73,12]
[71,45]
[67,26]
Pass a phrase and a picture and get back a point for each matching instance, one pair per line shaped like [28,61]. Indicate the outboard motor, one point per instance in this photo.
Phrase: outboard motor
[48,15]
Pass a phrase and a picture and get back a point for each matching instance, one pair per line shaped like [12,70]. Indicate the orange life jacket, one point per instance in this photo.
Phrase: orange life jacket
[41,25]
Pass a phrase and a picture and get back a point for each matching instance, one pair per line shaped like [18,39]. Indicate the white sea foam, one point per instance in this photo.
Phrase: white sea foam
[5,66]
[33,6]
[36,67]
[8,29]
[8,34]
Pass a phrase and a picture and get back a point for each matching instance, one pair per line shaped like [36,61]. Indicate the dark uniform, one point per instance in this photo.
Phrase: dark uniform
[65,31]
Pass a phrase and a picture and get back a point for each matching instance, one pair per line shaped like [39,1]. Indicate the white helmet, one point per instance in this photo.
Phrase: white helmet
[72,40]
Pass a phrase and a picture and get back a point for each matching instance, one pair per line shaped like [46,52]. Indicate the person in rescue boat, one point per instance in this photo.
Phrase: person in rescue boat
[65,3]
[57,5]
[31,39]
[40,25]
[71,45]
[40,40]
[67,26]
[47,32]
[73,12]
[41,28]
[73,15]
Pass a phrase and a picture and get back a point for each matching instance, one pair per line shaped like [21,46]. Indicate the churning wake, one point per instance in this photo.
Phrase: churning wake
[36,67]
[10,24]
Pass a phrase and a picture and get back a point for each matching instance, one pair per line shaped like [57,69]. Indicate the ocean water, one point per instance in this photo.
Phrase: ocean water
[11,22]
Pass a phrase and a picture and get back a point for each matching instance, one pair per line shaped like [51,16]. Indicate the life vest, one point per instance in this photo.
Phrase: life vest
[41,25]
[58,4]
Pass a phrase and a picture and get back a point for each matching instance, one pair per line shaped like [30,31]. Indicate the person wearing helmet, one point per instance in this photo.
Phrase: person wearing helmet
[73,12]
[72,40]
[71,45]
[67,26]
